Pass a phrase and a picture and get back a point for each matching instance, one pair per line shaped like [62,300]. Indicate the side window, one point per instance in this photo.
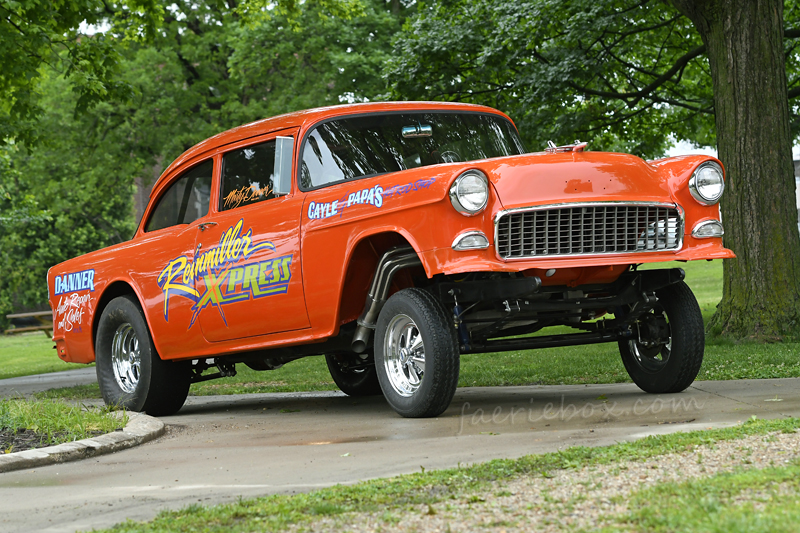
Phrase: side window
[186,200]
[247,175]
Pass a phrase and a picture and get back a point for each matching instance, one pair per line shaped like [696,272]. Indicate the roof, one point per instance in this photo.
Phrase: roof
[307,118]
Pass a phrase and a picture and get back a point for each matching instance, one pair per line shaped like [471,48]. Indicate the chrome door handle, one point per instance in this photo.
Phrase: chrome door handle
[205,225]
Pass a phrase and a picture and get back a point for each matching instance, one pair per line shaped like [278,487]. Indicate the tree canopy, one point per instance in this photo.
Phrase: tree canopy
[88,122]
[41,35]
[634,75]
[629,75]
[79,181]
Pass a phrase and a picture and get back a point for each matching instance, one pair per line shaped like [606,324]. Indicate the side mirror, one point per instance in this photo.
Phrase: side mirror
[282,180]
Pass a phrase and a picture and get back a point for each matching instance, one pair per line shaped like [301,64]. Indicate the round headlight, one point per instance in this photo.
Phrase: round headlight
[707,183]
[469,194]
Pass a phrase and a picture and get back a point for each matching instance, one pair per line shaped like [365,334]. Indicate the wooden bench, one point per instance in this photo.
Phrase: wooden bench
[45,319]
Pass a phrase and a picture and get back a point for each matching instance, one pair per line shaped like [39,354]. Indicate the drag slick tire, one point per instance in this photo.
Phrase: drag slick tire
[130,373]
[666,350]
[359,381]
[416,354]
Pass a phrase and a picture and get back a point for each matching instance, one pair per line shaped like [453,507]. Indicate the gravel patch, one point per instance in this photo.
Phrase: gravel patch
[570,499]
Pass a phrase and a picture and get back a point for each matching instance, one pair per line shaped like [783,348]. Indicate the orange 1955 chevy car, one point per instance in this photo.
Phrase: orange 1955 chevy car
[391,238]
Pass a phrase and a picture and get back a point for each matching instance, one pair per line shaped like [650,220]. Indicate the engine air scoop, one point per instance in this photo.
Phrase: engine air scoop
[577,146]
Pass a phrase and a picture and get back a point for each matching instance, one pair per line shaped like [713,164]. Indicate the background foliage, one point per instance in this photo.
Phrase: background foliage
[82,180]
[628,75]
[87,123]
[564,70]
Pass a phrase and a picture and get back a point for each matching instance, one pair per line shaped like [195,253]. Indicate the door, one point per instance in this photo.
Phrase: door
[161,260]
[248,278]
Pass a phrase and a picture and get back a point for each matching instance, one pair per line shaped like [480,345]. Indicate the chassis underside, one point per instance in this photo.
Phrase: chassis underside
[495,312]
[487,312]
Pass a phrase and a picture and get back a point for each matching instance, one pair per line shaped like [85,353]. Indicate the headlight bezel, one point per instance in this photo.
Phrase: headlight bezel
[695,191]
[457,194]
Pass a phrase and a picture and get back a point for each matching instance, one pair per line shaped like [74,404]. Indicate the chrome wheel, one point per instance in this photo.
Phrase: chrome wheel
[651,354]
[416,354]
[404,359]
[130,373]
[126,358]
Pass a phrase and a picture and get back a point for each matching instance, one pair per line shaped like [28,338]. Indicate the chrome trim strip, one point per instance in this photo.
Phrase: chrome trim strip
[705,223]
[500,214]
[586,204]
[466,234]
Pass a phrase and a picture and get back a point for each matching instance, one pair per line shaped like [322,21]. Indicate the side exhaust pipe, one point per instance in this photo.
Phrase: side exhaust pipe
[394,260]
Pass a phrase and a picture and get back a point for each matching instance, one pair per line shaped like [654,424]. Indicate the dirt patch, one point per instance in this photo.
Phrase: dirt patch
[24,439]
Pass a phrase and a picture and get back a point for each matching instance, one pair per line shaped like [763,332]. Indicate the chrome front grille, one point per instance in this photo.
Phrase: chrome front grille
[587,229]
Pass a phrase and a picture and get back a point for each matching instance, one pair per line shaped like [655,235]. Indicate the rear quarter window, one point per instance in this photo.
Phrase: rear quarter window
[186,200]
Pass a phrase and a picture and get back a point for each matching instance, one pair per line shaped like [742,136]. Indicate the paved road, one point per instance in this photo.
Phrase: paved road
[27,385]
[218,448]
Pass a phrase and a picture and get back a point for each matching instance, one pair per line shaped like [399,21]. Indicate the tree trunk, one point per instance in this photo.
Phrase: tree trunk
[761,291]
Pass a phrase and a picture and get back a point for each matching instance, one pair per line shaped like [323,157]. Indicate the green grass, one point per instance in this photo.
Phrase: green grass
[572,365]
[749,501]
[403,493]
[76,393]
[56,422]
[705,279]
[307,374]
[26,354]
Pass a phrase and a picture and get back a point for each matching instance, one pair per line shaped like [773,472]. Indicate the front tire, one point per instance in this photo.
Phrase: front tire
[666,352]
[130,373]
[416,354]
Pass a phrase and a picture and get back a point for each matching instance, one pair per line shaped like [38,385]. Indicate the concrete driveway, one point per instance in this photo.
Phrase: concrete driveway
[219,448]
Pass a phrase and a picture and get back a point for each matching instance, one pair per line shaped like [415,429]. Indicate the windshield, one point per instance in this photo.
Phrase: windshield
[351,148]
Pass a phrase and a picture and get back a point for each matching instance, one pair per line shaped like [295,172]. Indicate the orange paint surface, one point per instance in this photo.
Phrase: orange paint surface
[291,270]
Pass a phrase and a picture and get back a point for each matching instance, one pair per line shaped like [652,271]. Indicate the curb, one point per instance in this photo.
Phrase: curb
[140,429]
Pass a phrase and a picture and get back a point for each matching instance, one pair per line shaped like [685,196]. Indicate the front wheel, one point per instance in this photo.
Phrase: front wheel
[130,373]
[416,354]
[666,350]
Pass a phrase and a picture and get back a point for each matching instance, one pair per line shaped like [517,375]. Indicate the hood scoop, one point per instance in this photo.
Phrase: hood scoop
[577,146]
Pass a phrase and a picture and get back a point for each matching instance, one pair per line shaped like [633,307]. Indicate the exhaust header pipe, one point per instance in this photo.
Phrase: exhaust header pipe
[394,260]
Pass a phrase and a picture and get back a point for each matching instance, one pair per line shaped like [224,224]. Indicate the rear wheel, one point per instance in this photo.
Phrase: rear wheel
[354,376]
[130,373]
[416,354]
[668,342]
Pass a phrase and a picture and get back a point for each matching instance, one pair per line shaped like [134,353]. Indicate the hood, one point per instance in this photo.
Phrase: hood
[543,178]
